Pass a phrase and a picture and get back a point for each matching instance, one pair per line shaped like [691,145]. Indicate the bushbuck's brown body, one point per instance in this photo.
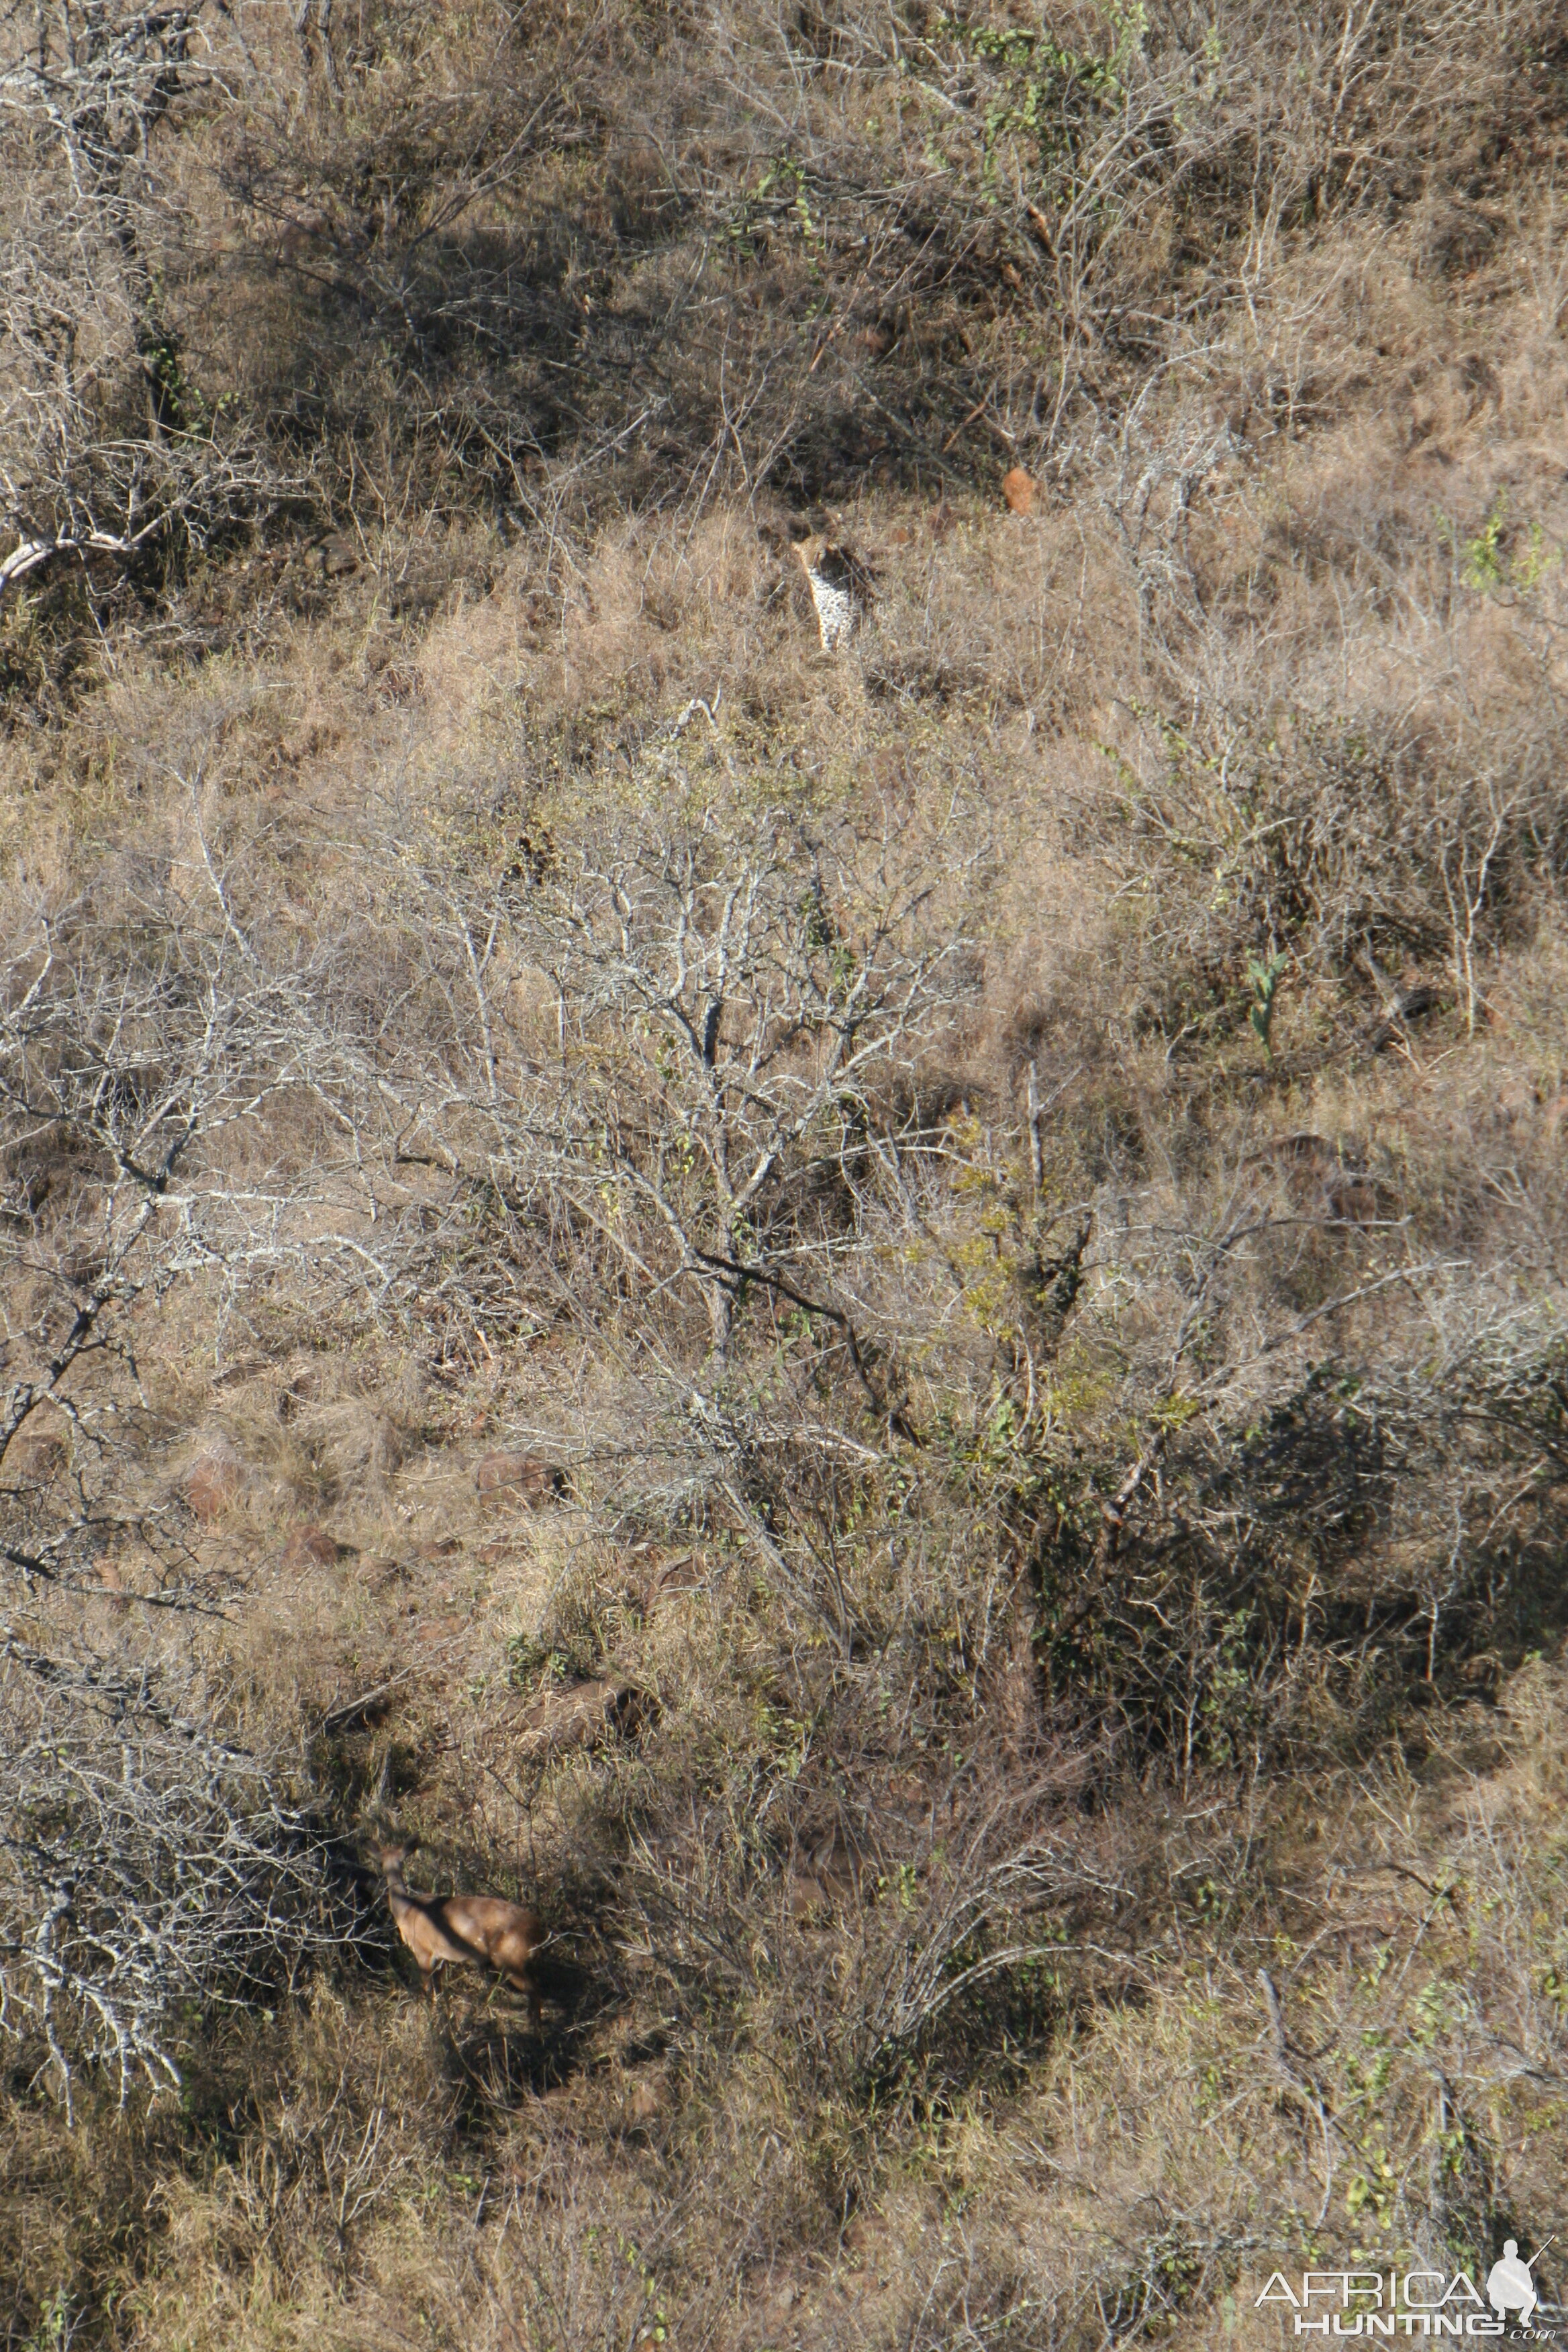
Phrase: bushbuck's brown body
[479,1929]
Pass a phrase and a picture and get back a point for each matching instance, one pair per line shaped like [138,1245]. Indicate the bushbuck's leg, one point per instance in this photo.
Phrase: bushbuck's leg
[524,1985]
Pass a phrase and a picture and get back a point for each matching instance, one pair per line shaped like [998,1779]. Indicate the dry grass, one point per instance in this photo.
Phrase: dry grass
[1027,1686]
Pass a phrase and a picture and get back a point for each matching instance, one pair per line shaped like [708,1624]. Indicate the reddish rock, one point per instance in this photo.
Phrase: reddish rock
[523,1474]
[212,1481]
[439,1628]
[1018,489]
[34,1454]
[311,1547]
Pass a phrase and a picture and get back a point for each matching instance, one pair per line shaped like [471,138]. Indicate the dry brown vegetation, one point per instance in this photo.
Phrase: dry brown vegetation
[885,1331]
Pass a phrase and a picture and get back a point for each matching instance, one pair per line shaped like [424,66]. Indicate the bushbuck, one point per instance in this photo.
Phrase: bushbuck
[478,1928]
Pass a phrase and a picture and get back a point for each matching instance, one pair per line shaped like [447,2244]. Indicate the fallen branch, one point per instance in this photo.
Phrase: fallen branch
[32,554]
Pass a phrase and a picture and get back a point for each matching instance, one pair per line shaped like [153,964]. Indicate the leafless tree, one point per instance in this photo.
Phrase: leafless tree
[106,448]
[150,1862]
[148,1866]
[679,1037]
[138,1037]
[732,1011]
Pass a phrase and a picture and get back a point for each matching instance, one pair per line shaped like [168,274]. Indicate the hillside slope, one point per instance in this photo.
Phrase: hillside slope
[885,1328]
